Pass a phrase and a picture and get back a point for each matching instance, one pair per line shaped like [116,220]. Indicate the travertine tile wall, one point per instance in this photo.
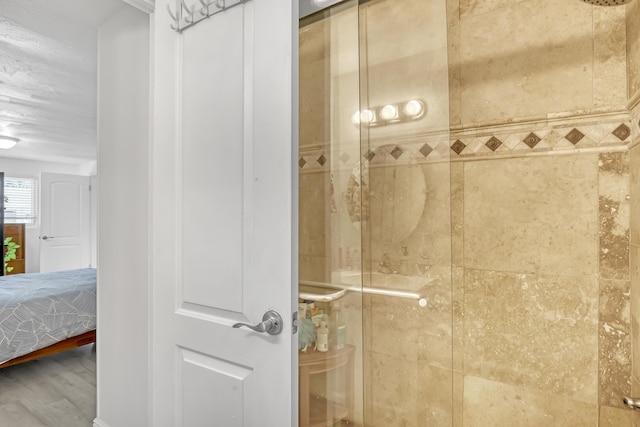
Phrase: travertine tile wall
[635,252]
[525,240]
[542,203]
[633,48]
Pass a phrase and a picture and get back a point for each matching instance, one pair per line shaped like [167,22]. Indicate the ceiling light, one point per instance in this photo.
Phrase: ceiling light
[7,142]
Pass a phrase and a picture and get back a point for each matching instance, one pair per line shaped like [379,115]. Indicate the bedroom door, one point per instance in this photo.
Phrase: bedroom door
[224,232]
[65,229]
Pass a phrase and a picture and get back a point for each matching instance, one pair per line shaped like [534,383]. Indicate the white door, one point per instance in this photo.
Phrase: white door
[224,215]
[65,229]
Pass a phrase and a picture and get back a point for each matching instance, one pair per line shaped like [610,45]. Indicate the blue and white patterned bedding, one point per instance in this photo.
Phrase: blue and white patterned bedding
[40,309]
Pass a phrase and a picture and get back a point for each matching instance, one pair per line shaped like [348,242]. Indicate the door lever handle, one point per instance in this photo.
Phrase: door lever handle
[46,237]
[271,323]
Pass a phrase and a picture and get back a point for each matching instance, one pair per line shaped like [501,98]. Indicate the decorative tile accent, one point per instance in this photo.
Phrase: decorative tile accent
[532,140]
[458,146]
[508,139]
[493,143]
[574,136]
[396,153]
[426,150]
[623,132]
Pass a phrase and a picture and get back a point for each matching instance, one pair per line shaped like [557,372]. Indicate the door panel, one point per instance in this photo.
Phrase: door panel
[224,217]
[213,156]
[65,222]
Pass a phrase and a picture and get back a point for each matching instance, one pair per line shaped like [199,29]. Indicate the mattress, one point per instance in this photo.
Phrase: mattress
[40,309]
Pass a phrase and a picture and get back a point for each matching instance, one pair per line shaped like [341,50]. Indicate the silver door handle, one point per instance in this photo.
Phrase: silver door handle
[271,323]
[46,237]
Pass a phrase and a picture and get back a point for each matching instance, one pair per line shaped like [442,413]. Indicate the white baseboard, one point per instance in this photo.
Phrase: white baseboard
[99,423]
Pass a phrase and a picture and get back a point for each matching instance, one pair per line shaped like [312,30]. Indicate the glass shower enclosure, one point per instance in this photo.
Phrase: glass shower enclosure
[375,285]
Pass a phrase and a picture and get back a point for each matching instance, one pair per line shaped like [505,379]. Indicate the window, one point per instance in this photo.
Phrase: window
[19,200]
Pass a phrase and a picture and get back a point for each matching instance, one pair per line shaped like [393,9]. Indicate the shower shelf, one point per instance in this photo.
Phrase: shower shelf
[342,289]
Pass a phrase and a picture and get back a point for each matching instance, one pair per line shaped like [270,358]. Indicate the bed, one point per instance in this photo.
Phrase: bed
[45,313]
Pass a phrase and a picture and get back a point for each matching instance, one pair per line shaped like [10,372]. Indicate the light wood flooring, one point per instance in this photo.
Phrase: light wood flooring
[54,391]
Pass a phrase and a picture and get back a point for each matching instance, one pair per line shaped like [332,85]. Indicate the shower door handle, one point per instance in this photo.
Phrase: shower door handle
[271,323]
[631,402]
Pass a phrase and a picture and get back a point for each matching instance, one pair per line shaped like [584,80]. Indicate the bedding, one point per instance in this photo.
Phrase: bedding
[40,309]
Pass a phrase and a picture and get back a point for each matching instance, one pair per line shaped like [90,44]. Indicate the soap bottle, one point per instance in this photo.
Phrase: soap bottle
[322,337]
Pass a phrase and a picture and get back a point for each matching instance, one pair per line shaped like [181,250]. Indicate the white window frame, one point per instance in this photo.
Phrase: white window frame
[31,221]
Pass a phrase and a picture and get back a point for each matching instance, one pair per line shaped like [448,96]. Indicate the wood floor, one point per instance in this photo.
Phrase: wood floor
[55,391]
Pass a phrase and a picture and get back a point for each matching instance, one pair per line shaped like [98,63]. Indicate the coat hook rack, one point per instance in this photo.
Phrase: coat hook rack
[187,16]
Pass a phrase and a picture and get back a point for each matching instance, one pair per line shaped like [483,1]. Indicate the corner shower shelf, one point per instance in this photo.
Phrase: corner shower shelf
[317,411]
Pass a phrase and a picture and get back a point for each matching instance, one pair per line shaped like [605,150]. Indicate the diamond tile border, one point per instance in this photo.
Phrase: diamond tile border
[463,144]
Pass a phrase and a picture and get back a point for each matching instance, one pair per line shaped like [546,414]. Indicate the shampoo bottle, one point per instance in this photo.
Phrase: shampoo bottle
[322,337]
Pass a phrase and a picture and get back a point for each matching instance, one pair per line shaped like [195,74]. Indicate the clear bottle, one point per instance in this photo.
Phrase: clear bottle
[322,337]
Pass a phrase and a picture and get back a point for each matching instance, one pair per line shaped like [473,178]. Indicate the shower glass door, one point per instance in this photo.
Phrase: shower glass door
[376,270]
[330,256]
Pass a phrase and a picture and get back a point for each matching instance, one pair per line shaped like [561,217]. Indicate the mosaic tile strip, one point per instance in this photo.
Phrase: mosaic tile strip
[506,141]
[574,136]
[558,138]
[532,140]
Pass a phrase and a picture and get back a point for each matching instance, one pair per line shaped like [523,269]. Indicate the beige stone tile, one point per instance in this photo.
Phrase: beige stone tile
[405,51]
[610,57]
[534,331]
[614,342]
[614,207]
[614,417]
[436,398]
[635,416]
[491,403]
[312,213]
[633,47]
[395,327]
[470,8]
[312,268]
[453,12]
[458,399]
[453,53]
[532,214]
[457,278]
[394,390]
[314,87]
[408,393]
[546,66]
[426,241]
[400,29]
[634,232]
[457,214]
[635,311]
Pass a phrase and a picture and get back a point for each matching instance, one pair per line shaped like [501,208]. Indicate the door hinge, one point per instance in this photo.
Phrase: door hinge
[294,328]
[89,188]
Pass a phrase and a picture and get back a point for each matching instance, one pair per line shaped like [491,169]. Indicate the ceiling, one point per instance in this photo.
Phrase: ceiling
[48,68]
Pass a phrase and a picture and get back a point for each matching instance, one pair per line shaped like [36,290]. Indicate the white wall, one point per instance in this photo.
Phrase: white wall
[32,169]
[123,212]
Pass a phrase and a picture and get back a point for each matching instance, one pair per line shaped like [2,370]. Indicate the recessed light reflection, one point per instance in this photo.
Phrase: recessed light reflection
[389,112]
[413,108]
[392,113]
